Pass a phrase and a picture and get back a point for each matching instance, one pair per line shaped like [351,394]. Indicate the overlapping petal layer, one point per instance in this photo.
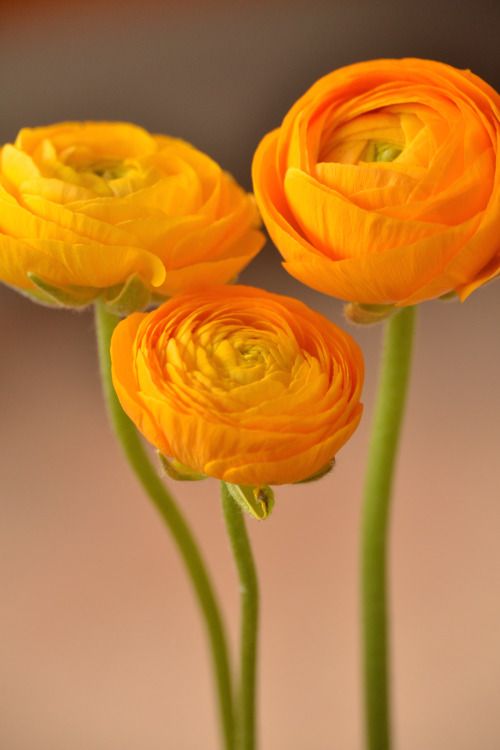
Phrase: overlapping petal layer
[239,384]
[382,184]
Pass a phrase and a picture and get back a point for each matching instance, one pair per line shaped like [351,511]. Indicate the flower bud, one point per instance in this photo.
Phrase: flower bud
[257,501]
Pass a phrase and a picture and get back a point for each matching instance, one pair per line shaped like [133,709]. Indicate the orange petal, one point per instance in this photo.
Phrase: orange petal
[87,265]
[342,230]
[218,271]
[294,468]
[125,381]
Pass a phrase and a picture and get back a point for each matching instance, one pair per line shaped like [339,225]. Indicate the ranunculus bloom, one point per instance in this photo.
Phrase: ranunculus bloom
[382,184]
[92,204]
[239,384]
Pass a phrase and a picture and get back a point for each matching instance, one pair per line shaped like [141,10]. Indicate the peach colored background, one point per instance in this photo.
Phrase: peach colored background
[100,641]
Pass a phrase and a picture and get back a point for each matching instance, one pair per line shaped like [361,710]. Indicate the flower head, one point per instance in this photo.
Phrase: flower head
[239,384]
[382,184]
[85,207]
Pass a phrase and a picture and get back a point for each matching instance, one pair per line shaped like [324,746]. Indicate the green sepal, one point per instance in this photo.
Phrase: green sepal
[37,296]
[258,501]
[180,472]
[361,314]
[129,297]
[67,296]
[121,299]
[449,297]
[319,474]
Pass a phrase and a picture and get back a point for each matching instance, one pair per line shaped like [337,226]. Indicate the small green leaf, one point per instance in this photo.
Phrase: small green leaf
[319,474]
[258,501]
[67,296]
[36,295]
[127,298]
[175,470]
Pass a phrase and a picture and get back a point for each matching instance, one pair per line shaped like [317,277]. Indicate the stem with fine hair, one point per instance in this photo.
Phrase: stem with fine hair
[240,543]
[389,410]
[183,537]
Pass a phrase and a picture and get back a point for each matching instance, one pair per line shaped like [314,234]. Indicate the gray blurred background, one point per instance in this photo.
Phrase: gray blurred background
[100,642]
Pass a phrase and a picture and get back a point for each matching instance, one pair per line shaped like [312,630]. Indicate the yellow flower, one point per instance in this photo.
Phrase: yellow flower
[88,206]
[382,184]
[239,384]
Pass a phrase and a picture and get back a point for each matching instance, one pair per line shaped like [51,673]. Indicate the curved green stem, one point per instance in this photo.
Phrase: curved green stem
[389,409]
[174,520]
[249,588]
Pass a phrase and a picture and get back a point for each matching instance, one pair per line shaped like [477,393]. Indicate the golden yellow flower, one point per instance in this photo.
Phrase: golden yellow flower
[239,384]
[88,206]
[382,184]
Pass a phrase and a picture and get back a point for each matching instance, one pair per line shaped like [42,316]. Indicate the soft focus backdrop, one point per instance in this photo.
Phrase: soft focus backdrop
[100,643]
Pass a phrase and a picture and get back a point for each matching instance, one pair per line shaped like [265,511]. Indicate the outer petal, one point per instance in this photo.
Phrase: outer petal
[341,229]
[292,469]
[125,381]
[17,258]
[490,272]
[82,227]
[386,277]
[217,271]
[86,265]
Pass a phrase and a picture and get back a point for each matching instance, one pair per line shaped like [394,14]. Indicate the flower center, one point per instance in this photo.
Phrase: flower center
[107,170]
[105,176]
[239,360]
[376,136]
[231,358]
[249,354]
[380,151]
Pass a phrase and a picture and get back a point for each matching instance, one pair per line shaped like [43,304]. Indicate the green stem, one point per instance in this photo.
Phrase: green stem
[249,588]
[389,408]
[163,501]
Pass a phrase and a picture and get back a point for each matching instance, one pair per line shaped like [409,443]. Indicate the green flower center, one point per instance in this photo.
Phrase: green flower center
[106,170]
[380,151]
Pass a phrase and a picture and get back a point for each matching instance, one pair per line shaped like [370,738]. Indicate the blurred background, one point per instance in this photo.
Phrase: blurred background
[100,642]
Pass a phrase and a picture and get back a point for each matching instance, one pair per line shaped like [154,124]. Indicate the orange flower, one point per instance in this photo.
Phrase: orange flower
[382,184]
[87,206]
[239,384]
